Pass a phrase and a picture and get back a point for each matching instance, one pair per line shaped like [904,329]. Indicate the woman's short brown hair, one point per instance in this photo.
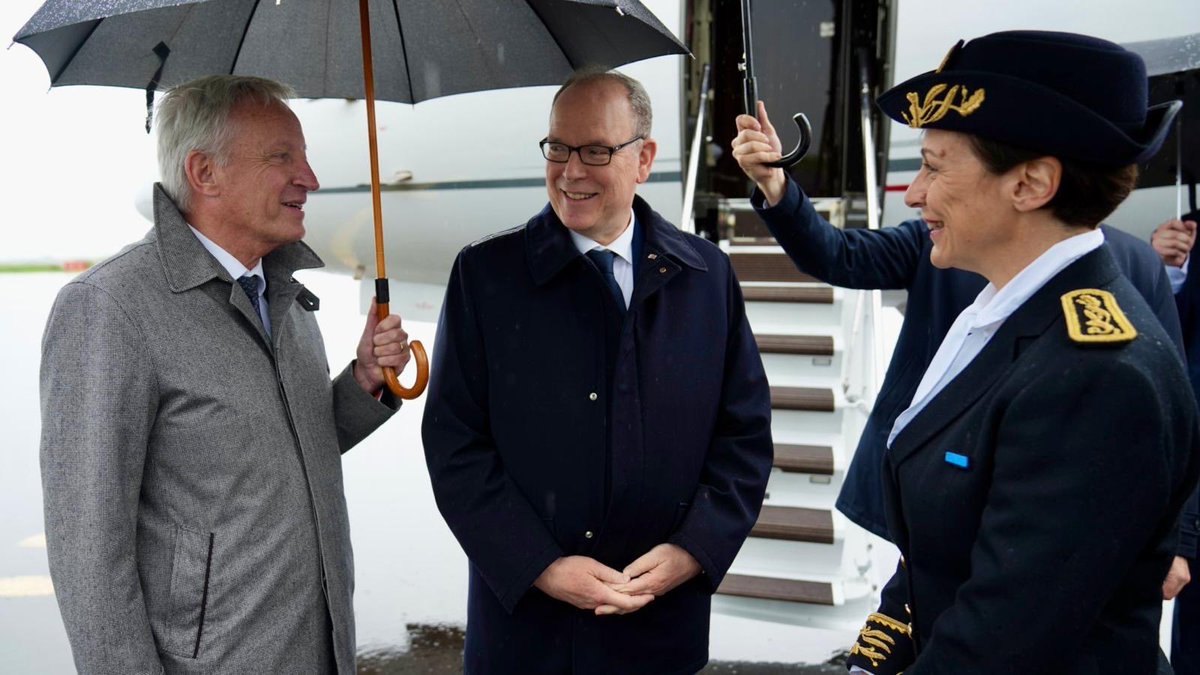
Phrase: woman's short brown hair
[1087,193]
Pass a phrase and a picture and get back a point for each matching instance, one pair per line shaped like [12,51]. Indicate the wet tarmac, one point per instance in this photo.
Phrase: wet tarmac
[437,650]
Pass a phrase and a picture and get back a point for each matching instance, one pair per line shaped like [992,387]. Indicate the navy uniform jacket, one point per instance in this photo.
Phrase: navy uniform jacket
[553,428]
[1035,499]
[898,258]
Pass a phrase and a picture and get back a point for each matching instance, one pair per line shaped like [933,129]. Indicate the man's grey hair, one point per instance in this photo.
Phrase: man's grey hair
[195,116]
[639,100]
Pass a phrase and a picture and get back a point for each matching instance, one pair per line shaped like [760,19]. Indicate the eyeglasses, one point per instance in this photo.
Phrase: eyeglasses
[592,155]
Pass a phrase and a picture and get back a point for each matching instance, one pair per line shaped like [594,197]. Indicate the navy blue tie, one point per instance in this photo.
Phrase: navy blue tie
[603,258]
[249,283]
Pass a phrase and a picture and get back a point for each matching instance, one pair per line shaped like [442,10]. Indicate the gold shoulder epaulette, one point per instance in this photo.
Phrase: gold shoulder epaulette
[879,637]
[1093,316]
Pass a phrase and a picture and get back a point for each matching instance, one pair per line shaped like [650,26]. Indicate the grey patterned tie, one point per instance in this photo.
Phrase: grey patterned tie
[603,258]
[249,283]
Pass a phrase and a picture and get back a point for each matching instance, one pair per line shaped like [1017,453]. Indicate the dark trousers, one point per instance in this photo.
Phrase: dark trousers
[1185,636]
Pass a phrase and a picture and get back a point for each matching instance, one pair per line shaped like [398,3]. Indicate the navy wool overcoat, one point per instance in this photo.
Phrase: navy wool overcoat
[555,426]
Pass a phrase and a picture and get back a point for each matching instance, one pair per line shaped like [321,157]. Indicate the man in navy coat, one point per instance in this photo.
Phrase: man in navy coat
[598,423]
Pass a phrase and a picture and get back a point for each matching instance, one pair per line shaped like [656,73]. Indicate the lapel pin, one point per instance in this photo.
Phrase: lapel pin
[961,461]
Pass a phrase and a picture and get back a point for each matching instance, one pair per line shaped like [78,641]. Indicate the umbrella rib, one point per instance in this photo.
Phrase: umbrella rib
[478,41]
[67,63]
[550,32]
[412,95]
[241,41]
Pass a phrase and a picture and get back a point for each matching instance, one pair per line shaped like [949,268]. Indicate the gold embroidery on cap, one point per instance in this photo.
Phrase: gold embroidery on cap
[1093,316]
[933,109]
[872,640]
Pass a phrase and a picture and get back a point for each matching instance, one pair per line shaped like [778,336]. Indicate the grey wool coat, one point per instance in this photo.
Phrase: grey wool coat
[191,466]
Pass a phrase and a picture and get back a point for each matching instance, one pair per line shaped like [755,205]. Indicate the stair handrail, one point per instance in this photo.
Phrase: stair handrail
[876,297]
[688,220]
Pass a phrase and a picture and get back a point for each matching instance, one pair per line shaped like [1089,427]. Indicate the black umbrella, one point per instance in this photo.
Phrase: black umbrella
[1173,65]
[750,92]
[323,49]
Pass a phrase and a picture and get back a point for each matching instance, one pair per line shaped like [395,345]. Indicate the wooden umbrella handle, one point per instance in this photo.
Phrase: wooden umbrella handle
[381,285]
[389,373]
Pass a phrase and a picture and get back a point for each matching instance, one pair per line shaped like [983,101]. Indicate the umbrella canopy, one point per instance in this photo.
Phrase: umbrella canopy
[328,49]
[1173,65]
[1169,55]
[423,48]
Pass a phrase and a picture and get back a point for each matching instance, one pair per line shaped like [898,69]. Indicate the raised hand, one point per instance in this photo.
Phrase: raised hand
[754,146]
[1173,241]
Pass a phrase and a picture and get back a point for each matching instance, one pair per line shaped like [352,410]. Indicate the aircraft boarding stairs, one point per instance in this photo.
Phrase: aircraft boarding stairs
[805,563]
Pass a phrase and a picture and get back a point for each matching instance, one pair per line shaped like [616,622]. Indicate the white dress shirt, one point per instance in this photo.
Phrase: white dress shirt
[976,325]
[237,270]
[622,263]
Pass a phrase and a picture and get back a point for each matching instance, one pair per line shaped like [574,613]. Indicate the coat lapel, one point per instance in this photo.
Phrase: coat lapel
[548,246]
[1030,321]
[663,253]
[188,265]
[282,288]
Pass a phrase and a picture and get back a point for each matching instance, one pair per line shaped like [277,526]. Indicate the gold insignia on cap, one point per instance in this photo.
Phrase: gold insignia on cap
[876,643]
[1093,316]
[933,108]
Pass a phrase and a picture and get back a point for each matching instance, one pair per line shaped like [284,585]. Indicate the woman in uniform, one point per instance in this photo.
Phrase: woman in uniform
[1034,484]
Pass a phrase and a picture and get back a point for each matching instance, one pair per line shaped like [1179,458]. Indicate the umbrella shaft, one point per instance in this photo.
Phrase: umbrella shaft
[373,142]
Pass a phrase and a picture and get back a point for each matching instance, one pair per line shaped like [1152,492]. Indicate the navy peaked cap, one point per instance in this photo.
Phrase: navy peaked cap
[1068,95]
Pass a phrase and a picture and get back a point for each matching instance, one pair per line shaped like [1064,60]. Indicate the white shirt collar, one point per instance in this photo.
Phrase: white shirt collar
[622,245]
[231,264]
[992,306]
[976,325]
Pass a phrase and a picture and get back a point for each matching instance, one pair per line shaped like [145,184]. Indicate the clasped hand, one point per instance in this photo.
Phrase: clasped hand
[588,584]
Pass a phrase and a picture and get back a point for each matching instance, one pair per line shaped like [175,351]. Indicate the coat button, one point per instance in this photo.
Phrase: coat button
[592,396]
[662,270]
[653,256]
[907,609]
[589,534]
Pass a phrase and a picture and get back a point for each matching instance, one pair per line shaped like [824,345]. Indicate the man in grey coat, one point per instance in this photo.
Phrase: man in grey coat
[191,434]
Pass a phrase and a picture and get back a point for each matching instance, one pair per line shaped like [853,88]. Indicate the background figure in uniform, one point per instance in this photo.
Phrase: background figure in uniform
[598,422]
[1174,240]
[1034,483]
[191,435]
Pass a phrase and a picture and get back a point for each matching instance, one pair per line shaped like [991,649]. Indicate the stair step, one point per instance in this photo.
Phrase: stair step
[794,523]
[766,266]
[769,588]
[810,345]
[816,459]
[810,294]
[802,398]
